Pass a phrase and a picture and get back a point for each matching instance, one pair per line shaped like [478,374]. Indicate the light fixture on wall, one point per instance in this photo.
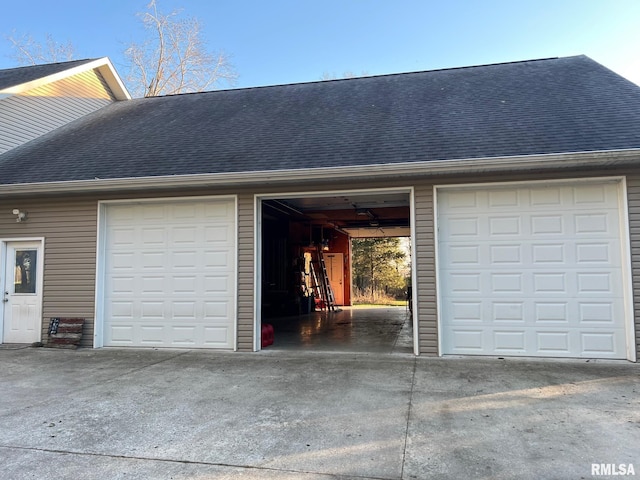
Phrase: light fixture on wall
[20,215]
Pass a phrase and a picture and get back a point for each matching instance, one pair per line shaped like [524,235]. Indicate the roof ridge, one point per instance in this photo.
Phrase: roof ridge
[312,82]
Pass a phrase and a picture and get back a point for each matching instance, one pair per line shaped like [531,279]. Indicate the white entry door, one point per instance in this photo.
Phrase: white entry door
[335,270]
[22,296]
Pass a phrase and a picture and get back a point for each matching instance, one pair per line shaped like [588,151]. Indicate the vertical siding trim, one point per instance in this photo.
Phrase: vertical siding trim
[101,236]
[414,274]
[633,213]
[627,270]
[246,273]
[425,306]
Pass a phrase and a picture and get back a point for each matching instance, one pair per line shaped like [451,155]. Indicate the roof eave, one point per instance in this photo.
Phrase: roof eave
[472,166]
[103,65]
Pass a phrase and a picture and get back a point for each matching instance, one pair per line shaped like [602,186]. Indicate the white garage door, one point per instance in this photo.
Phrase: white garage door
[170,274]
[532,271]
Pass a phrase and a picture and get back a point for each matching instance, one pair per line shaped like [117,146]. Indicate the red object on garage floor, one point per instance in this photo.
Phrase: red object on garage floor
[267,334]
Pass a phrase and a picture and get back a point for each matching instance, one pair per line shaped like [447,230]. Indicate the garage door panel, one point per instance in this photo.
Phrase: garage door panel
[510,253]
[216,284]
[183,336]
[144,285]
[509,341]
[151,334]
[215,336]
[218,235]
[531,270]
[590,312]
[170,274]
[600,343]
[511,313]
[554,342]
[121,335]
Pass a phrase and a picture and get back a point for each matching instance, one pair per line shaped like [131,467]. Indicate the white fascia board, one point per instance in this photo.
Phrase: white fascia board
[113,80]
[527,163]
[103,64]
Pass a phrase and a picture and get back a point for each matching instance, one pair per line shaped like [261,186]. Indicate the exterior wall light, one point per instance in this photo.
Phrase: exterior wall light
[20,215]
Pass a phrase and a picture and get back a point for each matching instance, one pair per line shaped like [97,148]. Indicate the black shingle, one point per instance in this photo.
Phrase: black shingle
[535,107]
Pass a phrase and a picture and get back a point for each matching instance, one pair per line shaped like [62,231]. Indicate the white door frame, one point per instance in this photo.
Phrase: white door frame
[625,244]
[39,272]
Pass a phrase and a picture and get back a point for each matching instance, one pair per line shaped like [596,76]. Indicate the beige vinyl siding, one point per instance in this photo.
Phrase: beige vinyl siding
[69,230]
[246,272]
[633,195]
[425,290]
[31,114]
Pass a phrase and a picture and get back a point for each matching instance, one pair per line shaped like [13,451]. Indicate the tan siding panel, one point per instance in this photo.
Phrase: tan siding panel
[69,231]
[246,272]
[70,225]
[31,114]
[425,290]
[633,190]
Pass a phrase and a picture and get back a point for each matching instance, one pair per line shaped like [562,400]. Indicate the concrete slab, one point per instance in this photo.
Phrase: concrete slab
[45,375]
[284,414]
[525,419]
[382,329]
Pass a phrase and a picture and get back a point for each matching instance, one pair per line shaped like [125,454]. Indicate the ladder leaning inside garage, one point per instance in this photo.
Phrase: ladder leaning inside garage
[322,285]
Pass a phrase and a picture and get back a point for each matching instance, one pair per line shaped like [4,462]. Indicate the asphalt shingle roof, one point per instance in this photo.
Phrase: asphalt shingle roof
[570,104]
[19,75]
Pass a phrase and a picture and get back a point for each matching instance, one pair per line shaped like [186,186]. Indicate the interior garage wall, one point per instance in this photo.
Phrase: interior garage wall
[69,230]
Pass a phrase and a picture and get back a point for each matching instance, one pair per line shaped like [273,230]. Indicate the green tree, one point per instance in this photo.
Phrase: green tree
[379,267]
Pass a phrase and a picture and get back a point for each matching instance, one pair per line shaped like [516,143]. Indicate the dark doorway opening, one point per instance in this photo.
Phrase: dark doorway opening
[305,241]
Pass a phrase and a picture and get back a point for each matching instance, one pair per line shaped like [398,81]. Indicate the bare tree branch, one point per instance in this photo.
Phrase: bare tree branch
[174,59]
[30,52]
[348,74]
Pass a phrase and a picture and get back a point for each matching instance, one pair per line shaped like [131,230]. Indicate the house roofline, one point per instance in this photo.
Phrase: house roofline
[103,65]
[521,163]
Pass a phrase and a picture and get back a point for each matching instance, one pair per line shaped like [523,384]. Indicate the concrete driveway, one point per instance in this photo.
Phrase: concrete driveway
[146,414]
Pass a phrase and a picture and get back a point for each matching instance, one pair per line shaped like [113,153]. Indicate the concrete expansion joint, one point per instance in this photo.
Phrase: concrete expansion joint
[186,462]
[409,408]
[147,365]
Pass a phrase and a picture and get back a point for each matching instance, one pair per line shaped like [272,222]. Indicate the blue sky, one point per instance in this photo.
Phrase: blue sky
[286,41]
